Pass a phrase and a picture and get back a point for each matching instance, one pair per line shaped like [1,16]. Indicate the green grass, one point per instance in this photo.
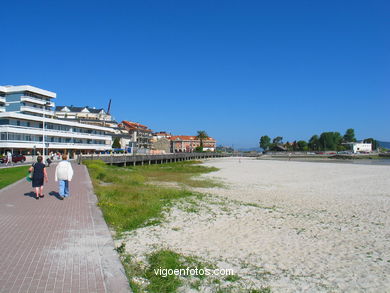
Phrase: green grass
[127,199]
[152,276]
[158,280]
[11,175]
[180,172]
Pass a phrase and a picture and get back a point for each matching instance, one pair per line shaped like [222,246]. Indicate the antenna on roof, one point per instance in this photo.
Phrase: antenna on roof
[109,107]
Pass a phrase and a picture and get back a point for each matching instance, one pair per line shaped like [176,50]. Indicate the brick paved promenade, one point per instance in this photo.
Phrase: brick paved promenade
[49,245]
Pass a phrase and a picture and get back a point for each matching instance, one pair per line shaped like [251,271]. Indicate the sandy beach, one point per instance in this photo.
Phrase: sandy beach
[290,226]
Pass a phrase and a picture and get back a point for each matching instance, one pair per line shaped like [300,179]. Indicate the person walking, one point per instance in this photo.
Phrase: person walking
[64,174]
[9,158]
[38,170]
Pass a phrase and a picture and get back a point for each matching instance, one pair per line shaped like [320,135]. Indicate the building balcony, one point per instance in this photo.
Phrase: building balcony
[2,99]
[17,144]
[36,101]
[36,110]
[2,109]
[52,132]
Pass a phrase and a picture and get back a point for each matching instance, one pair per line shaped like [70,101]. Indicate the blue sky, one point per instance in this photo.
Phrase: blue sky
[237,69]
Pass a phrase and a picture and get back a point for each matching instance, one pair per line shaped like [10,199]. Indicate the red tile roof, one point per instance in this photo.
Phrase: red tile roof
[188,137]
[135,125]
[162,133]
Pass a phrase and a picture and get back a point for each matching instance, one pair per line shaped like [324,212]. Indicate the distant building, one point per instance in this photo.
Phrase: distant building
[359,147]
[85,114]
[186,143]
[141,134]
[98,116]
[222,148]
[28,125]
[161,134]
[126,140]
[280,148]
[161,146]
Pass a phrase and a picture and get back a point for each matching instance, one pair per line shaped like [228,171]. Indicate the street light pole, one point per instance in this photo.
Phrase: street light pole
[43,137]
[43,131]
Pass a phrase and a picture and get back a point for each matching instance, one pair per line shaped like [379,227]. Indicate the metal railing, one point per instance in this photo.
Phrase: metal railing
[53,143]
[36,100]
[36,110]
[148,159]
[64,132]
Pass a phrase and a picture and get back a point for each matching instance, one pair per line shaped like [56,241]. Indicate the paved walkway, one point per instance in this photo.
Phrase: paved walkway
[49,245]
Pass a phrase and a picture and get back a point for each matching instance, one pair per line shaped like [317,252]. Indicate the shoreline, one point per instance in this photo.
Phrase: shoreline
[361,161]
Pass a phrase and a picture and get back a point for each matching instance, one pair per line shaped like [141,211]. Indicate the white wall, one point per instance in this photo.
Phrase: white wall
[362,147]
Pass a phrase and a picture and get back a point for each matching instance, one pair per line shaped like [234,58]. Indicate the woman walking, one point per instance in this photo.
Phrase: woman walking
[64,174]
[39,174]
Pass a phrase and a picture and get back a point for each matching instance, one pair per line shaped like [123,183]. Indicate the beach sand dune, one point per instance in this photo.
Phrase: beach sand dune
[292,226]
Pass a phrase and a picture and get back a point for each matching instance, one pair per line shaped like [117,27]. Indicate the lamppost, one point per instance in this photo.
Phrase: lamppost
[47,104]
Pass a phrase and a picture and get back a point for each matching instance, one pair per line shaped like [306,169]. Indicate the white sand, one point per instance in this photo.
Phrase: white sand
[292,226]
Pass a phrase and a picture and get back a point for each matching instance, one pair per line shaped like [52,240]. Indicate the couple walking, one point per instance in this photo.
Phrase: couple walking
[63,174]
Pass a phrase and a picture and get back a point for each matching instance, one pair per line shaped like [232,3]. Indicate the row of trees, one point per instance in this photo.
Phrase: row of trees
[326,141]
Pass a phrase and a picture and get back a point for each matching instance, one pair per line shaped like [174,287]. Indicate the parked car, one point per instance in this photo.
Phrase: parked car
[15,159]
[344,152]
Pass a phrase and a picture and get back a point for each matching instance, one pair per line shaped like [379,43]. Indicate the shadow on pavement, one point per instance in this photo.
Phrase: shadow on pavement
[30,194]
[55,194]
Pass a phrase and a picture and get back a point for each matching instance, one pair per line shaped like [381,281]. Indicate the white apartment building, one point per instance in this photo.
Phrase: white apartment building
[28,125]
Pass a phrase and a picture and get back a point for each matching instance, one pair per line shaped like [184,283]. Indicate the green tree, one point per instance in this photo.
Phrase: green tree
[265,142]
[202,135]
[338,139]
[294,146]
[330,141]
[349,135]
[288,146]
[302,145]
[314,143]
[199,149]
[277,140]
[116,144]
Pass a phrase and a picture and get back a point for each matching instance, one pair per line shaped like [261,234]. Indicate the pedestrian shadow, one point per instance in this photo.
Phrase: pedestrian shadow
[55,194]
[30,194]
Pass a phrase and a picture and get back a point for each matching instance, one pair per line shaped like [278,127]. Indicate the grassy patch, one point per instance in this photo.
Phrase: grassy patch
[184,173]
[232,278]
[11,175]
[157,275]
[129,202]
[262,290]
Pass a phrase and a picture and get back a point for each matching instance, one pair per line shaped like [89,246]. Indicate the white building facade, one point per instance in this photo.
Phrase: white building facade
[82,113]
[28,125]
[359,147]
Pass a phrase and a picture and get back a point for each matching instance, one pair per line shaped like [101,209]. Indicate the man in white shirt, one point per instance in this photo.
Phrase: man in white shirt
[9,158]
[64,174]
